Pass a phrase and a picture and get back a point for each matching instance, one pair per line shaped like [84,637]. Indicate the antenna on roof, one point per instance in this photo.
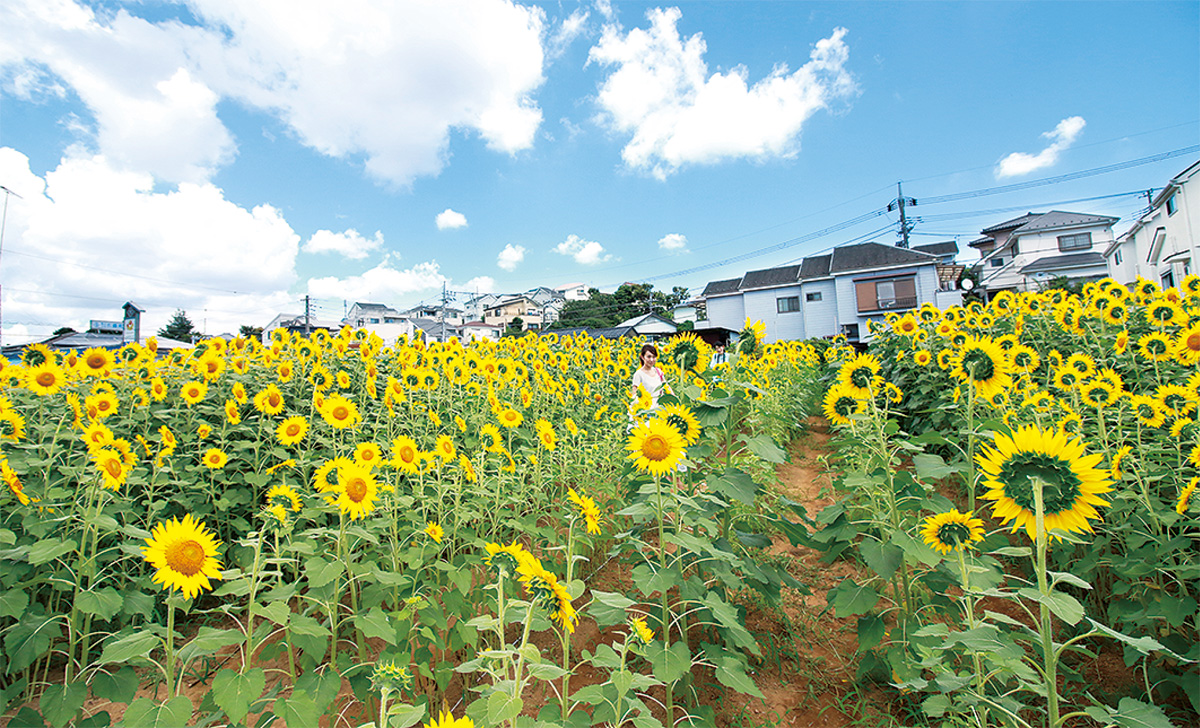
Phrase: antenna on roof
[905,225]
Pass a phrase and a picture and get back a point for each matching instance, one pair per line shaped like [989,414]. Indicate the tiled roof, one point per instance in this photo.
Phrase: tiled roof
[771,277]
[815,267]
[981,241]
[1013,223]
[939,249]
[875,255]
[1060,219]
[1060,262]
[717,288]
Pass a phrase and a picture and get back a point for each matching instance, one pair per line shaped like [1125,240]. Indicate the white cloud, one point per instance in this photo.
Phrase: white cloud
[450,219]
[348,243]
[425,67]
[585,252]
[90,236]
[672,241]
[1061,137]
[382,282]
[676,113]
[480,284]
[570,29]
[510,257]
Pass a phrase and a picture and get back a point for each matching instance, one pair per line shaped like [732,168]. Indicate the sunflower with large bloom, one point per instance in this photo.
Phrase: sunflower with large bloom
[96,362]
[357,489]
[509,417]
[655,446]
[446,719]
[952,530]
[45,379]
[340,412]
[841,403]
[406,456]
[184,555]
[682,419]
[981,363]
[587,509]
[546,591]
[215,458]
[269,401]
[1072,482]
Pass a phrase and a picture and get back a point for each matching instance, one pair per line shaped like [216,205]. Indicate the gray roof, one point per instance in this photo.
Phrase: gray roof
[1059,219]
[1060,262]
[1013,223]
[769,277]
[981,241]
[939,249]
[644,318]
[875,255]
[717,288]
[815,267]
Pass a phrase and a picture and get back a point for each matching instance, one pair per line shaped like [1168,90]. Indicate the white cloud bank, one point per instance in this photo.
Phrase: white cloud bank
[672,242]
[585,252]
[676,113]
[348,243]
[510,257]
[1061,138]
[404,75]
[450,220]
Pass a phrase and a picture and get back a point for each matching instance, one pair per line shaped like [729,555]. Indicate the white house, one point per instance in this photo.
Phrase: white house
[1162,245]
[824,295]
[573,291]
[1028,251]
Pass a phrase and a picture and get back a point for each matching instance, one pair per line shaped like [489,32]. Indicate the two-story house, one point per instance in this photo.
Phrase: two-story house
[1028,251]
[1162,245]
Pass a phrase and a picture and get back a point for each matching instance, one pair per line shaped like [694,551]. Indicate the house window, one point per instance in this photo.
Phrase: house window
[1171,205]
[886,293]
[996,262]
[1079,241]
[789,304]
[1168,280]
[1116,257]
[814,296]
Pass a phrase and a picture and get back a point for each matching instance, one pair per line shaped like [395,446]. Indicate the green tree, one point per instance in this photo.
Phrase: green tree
[251,332]
[515,327]
[63,330]
[180,327]
[602,310]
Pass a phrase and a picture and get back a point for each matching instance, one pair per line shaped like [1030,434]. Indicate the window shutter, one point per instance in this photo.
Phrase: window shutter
[906,289]
[865,290]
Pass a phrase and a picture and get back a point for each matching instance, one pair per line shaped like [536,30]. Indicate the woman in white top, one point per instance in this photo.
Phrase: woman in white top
[649,376]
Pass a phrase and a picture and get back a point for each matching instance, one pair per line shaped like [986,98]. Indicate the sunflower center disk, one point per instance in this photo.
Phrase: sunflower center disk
[185,557]
[1061,485]
[656,448]
[46,379]
[356,489]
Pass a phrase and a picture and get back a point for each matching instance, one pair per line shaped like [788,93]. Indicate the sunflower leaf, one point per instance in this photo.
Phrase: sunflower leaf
[130,646]
[207,641]
[235,693]
[145,713]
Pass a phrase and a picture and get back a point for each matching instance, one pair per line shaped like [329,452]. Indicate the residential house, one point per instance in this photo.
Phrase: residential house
[1028,251]
[449,314]
[297,323]
[573,291]
[476,330]
[474,307]
[384,321]
[1162,245]
[434,330]
[823,295]
[531,313]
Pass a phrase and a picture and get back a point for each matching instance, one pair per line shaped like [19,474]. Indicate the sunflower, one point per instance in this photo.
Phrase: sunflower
[1098,392]
[12,425]
[638,628]
[922,357]
[406,456]
[467,468]
[860,374]
[545,590]
[13,481]
[203,431]
[283,495]
[1165,312]
[184,555]
[231,412]
[952,530]
[489,434]
[112,467]
[96,363]
[1071,481]
[446,719]
[434,530]
[1185,496]
[1187,345]
[1178,399]
[1024,358]
[1121,342]
[269,401]
[340,412]
[1148,410]
[45,379]
[655,446]
[509,417]
[193,392]
[239,393]
[512,559]
[215,458]
[444,448]
[369,454]
[587,510]
[841,403]
[292,430]
[357,489]
[682,419]
[983,364]
[545,434]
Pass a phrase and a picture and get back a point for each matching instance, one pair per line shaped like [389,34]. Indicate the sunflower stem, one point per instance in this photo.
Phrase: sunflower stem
[170,643]
[1049,658]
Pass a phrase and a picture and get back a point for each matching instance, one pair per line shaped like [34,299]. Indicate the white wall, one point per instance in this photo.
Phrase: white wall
[727,311]
[820,317]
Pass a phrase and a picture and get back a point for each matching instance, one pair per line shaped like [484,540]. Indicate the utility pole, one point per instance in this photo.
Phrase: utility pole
[899,204]
[3,222]
[307,316]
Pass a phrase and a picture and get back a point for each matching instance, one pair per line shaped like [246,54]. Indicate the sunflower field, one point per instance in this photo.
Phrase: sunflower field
[333,531]
[1019,485]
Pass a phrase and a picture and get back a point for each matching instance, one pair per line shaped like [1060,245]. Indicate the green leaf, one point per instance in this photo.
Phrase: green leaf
[1144,645]
[763,446]
[729,618]
[298,710]
[97,720]
[375,624]
[60,703]
[849,598]
[502,708]
[1069,578]
[932,467]
[49,549]
[732,674]
[322,686]
[130,646]
[28,640]
[1132,713]
[403,715]
[321,572]
[883,558]
[277,612]
[546,671]
[916,550]
[27,717]
[145,713]
[871,630]
[235,693]
[207,641]
[1064,606]
[103,603]
[13,603]
[734,484]
[669,663]
[118,687]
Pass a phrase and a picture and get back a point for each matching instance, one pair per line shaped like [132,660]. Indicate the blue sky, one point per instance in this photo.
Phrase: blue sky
[228,158]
